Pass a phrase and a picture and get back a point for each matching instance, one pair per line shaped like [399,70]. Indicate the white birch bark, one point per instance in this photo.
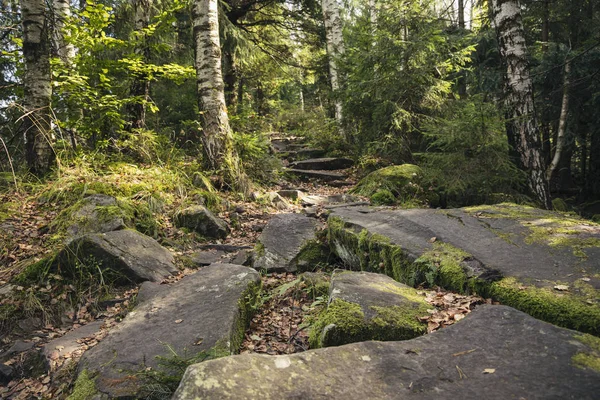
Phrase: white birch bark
[62,12]
[335,47]
[522,125]
[562,122]
[36,84]
[217,136]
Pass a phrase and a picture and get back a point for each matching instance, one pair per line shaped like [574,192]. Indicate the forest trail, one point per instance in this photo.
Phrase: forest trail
[305,244]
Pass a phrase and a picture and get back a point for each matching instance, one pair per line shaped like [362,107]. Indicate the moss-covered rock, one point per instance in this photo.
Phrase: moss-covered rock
[403,182]
[200,219]
[367,306]
[540,262]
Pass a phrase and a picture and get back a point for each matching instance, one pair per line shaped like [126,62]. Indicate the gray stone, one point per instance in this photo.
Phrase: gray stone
[282,241]
[89,218]
[325,176]
[18,347]
[207,257]
[67,344]
[516,254]
[291,194]
[317,200]
[202,220]
[320,164]
[6,289]
[242,257]
[7,373]
[310,211]
[277,200]
[495,353]
[133,255]
[382,309]
[205,311]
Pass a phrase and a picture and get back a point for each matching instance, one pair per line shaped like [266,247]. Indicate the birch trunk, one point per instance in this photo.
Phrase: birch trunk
[62,12]
[140,87]
[335,47]
[36,86]
[522,126]
[217,136]
[562,123]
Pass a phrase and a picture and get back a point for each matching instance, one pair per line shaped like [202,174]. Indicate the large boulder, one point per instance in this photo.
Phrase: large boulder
[204,313]
[126,254]
[541,262]
[367,306]
[200,219]
[287,243]
[495,353]
[97,213]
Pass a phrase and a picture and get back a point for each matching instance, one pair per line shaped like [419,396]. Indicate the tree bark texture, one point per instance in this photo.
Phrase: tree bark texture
[217,138]
[522,126]
[335,47]
[140,87]
[62,12]
[36,84]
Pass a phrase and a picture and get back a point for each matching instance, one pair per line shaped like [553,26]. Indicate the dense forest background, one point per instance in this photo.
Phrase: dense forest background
[420,82]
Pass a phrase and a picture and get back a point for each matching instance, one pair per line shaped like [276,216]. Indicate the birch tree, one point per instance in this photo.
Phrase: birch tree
[140,87]
[523,131]
[37,90]
[62,12]
[335,47]
[217,136]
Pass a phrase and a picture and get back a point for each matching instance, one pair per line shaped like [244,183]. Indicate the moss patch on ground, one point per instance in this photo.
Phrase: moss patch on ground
[85,387]
[588,359]
[394,184]
[576,309]
[557,230]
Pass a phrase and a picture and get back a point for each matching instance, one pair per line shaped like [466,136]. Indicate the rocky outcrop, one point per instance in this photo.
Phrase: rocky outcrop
[204,313]
[541,262]
[495,353]
[200,219]
[367,306]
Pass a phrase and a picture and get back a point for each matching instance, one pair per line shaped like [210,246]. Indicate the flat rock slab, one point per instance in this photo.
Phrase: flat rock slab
[229,255]
[328,164]
[541,262]
[367,306]
[133,255]
[495,353]
[205,311]
[320,175]
[69,343]
[318,200]
[282,242]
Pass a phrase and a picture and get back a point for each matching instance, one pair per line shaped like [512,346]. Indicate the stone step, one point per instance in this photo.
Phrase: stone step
[319,164]
[204,312]
[496,352]
[320,175]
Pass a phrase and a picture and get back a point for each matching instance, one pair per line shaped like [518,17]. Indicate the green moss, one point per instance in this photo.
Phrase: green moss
[259,249]
[383,197]
[398,323]
[36,272]
[312,255]
[559,205]
[85,387]
[348,318]
[398,182]
[568,310]
[246,308]
[588,359]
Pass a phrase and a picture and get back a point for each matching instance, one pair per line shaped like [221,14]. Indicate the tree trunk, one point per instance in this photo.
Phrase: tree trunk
[562,123]
[230,78]
[140,87]
[335,47]
[62,12]
[217,137]
[37,90]
[461,14]
[519,97]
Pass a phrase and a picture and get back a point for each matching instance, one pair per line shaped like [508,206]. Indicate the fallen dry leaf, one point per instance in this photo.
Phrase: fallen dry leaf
[489,370]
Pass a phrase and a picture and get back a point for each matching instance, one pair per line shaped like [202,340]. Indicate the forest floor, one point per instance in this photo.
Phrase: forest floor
[278,327]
